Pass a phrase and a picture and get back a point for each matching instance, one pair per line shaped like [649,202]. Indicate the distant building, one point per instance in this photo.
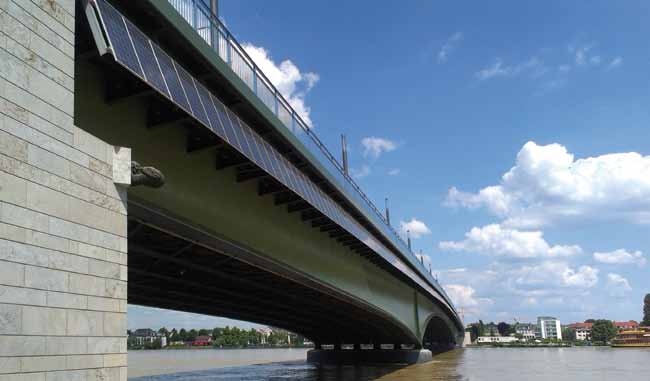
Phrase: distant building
[582,330]
[264,332]
[491,329]
[496,339]
[144,336]
[202,341]
[626,325]
[526,330]
[548,328]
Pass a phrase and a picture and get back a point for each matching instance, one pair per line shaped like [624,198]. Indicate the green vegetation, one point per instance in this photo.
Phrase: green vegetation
[646,310]
[602,331]
[568,334]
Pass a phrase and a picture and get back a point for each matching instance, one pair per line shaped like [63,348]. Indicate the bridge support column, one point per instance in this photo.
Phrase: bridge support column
[63,223]
[367,356]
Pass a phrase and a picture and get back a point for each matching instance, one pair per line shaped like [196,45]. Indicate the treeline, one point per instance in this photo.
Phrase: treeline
[225,337]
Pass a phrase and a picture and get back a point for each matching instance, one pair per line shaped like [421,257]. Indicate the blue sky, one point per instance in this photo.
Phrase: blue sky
[513,136]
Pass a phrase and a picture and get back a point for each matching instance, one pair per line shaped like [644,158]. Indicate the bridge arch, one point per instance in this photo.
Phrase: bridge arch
[439,334]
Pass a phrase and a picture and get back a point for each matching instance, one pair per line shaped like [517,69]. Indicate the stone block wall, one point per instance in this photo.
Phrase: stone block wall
[63,225]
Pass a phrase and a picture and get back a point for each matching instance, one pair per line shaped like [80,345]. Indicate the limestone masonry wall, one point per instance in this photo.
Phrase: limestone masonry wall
[63,225]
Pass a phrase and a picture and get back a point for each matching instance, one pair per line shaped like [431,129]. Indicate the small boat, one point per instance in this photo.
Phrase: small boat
[636,338]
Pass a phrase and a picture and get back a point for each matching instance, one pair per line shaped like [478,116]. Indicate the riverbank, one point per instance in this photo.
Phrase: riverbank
[157,362]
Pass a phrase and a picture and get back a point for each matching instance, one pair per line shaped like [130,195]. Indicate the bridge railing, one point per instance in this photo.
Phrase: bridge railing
[215,34]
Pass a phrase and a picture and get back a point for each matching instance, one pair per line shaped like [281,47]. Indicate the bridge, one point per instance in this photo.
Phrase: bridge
[254,219]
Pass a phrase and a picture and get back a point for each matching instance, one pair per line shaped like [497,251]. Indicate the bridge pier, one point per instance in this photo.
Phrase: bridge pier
[369,356]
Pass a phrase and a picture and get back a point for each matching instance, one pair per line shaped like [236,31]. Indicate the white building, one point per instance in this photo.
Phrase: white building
[527,331]
[548,328]
[582,330]
[496,339]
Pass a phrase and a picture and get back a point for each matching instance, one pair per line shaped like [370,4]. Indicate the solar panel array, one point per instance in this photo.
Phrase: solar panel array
[137,53]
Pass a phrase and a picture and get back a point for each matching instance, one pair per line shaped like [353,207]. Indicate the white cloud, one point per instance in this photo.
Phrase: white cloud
[617,285]
[287,77]
[449,46]
[497,69]
[533,66]
[461,296]
[394,172]
[361,172]
[495,240]
[581,54]
[615,63]
[416,228]
[374,146]
[547,184]
[620,257]
[555,274]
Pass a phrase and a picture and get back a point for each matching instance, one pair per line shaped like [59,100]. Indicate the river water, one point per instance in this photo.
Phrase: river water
[471,364]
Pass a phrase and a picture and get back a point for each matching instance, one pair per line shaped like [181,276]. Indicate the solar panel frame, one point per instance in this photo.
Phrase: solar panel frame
[206,101]
[119,38]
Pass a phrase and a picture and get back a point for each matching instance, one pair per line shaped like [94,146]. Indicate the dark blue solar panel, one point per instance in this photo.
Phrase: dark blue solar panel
[147,59]
[171,78]
[225,122]
[119,38]
[274,166]
[204,95]
[262,153]
[234,122]
[190,91]
[248,135]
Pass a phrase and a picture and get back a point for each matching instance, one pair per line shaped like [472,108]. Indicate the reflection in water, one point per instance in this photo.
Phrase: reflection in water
[473,364]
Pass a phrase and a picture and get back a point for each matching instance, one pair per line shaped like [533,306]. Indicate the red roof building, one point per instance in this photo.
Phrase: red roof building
[202,341]
[626,325]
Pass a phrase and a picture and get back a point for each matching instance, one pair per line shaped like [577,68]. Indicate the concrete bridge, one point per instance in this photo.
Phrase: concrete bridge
[255,221]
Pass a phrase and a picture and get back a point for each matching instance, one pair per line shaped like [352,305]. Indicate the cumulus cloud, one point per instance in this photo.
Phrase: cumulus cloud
[374,146]
[461,296]
[620,257]
[287,78]
[558,274]
[617,285]
[449,46]
[548,184]
[416,228]
[495,240]
[394,172]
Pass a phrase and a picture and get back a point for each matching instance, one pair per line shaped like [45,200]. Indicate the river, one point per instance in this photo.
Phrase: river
[471,364]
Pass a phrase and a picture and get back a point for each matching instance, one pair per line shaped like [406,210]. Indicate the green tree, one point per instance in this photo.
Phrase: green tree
[204,332]
[503,328]
[192,334]
[474,332]
[646,310]
[164,332]
[568,334]
[602,331]
[481,328]
[182,335]
[590,321]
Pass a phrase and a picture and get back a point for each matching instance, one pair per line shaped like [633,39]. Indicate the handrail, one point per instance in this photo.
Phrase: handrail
[215,34]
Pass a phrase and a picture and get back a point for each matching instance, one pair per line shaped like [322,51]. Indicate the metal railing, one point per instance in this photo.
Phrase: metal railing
[215,34]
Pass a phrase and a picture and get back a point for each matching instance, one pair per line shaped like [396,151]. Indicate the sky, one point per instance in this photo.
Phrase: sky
[511,138]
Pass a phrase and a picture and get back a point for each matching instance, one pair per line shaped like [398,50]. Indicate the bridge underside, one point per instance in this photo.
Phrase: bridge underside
[175,266]
[224,238]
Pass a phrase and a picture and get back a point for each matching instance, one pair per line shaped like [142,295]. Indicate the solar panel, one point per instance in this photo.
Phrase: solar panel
[204,96]
[147,59]
[192,97]
[119,38]
[166,65]
[132,49]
